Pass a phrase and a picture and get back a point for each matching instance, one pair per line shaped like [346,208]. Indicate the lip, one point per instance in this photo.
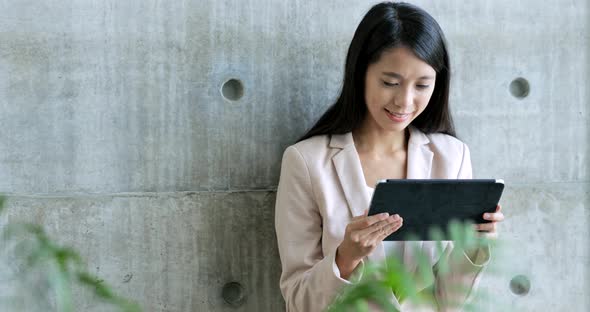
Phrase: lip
[397,117]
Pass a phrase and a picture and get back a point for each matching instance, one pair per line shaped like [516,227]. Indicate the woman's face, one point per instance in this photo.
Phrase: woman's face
[397,89]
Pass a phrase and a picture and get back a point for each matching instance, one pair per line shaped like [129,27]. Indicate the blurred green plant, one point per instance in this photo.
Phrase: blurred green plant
[63,265]
[379,280]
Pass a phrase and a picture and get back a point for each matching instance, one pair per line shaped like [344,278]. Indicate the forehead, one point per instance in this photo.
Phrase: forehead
[404,62]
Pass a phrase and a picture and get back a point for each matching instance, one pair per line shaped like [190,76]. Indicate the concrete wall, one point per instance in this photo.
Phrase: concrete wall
[115,136]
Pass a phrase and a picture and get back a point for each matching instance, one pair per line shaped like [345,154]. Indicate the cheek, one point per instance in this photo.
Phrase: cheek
[423,101]
[376,97]
[372,96]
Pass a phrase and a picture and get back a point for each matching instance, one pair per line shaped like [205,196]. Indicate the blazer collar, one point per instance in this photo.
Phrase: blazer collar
[348,165]
[350,172]
[341,141]
[419,158]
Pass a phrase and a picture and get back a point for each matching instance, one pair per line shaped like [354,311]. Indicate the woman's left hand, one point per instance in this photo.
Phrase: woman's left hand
[489,230]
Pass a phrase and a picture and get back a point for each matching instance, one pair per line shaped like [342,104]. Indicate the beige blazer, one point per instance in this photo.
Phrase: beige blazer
[322,187]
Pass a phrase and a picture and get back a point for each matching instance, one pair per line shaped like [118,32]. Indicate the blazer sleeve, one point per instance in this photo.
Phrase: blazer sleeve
[453,288]
[310,279]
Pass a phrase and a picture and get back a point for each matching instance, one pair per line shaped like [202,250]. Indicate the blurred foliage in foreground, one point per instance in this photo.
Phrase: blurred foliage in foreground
[49,271]
[379,280]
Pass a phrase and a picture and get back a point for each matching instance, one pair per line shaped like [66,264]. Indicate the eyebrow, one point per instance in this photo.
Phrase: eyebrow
[398,76]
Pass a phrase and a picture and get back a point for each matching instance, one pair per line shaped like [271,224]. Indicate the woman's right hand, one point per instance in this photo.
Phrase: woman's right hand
[361,237]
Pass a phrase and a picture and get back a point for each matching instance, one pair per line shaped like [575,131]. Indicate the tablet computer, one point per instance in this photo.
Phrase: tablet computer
[426,204]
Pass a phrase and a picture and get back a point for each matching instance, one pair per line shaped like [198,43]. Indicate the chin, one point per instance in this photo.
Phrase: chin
[396,128]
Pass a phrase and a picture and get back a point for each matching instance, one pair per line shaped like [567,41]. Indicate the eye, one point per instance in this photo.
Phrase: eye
[423,86]
[390,84]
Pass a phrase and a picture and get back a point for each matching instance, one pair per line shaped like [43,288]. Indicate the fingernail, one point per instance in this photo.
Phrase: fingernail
[396,217]
[486,215]
[384,214]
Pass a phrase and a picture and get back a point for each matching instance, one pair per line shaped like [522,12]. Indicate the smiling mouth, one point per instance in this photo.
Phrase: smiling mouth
[397,115]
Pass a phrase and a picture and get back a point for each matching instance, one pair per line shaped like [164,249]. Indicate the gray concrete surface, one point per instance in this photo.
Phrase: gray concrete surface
[169,251]
[112,118]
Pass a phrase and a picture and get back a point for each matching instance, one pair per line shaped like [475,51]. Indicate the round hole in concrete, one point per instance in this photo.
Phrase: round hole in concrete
[520,88]
[233,293]
[232,90]
[520,285]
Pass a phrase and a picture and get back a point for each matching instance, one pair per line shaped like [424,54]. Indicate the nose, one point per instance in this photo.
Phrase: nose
[405,99]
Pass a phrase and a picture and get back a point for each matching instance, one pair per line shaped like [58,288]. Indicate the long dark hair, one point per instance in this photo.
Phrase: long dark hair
[385,26]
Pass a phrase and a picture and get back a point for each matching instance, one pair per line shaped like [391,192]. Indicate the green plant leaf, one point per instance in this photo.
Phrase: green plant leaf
[63,289]
[2,201]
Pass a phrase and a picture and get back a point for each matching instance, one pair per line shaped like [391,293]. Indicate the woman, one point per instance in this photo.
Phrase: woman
[391,121]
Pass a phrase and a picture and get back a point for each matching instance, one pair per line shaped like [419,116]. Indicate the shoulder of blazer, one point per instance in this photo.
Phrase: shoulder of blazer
[313,143]
[445,143]
[313,148]
[321,148]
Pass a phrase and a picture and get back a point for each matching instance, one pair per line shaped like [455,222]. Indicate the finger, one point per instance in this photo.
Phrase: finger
[496,216]
[387,230]
[488,235]
[486,227]
[392,228]
[362,222]
[376,227]
[363,232]
[368,221]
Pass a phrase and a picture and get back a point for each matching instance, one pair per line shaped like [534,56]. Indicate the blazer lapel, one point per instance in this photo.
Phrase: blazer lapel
[419,167]
[350,173]
[419,157]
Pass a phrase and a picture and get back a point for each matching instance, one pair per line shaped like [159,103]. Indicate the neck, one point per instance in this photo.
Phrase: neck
[375,141]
